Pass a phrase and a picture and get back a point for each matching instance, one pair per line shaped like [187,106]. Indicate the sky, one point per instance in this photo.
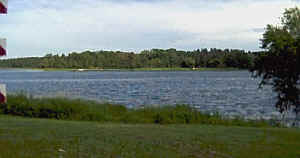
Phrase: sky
[39,27]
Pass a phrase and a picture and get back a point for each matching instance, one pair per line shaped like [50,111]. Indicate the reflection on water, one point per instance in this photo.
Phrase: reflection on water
[231,93]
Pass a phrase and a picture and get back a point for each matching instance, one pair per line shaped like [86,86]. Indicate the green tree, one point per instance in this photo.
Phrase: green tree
[156,58]
[279,65]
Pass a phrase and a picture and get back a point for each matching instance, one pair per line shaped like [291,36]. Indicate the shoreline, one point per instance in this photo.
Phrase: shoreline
[133,69]
[89,110]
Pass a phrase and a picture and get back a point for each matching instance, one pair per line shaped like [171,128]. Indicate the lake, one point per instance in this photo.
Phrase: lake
[231,93]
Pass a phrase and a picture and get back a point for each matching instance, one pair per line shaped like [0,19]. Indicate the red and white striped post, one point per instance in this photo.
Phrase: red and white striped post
[3,6]
[3,10]
[2,93]
[2,47]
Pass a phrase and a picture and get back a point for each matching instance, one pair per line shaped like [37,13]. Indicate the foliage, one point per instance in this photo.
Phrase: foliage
[76,109]
[279,66]
[155,58]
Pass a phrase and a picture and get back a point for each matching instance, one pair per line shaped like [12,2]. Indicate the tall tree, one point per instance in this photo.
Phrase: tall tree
[279,65]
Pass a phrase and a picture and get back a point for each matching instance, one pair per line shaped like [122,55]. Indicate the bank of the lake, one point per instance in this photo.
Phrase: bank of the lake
[133,69]
[62,127]
[85,110]
[186,69]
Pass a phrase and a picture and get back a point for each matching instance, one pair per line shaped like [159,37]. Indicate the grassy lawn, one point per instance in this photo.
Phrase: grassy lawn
[27,138]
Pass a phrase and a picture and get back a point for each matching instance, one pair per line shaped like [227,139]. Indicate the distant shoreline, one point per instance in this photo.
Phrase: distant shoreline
[134,69]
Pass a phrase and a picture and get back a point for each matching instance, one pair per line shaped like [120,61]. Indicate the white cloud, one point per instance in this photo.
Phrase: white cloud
[45,26]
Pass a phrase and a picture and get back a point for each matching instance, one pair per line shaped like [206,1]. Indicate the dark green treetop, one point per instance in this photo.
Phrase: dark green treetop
[279,65]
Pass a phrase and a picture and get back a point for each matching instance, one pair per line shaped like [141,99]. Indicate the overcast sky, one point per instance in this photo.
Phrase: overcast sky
[38,27]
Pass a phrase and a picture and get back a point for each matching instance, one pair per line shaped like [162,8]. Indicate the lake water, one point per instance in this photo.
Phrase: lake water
[228,92]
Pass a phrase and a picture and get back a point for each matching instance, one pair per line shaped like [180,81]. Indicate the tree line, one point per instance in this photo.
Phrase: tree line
[154,58]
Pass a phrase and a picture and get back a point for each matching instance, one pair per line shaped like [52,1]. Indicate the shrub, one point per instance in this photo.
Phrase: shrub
[85,110]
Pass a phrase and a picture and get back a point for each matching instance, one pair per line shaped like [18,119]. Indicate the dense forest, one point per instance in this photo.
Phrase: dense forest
[154,58]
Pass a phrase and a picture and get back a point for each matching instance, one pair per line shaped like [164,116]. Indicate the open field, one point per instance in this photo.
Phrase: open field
[27,138]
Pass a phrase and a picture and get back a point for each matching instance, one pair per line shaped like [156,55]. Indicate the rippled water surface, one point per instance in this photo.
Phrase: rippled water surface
[231,93]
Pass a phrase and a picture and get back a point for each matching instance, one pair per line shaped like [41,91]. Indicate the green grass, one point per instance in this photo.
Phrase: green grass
[82,129]
[42,138]
[84,110]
